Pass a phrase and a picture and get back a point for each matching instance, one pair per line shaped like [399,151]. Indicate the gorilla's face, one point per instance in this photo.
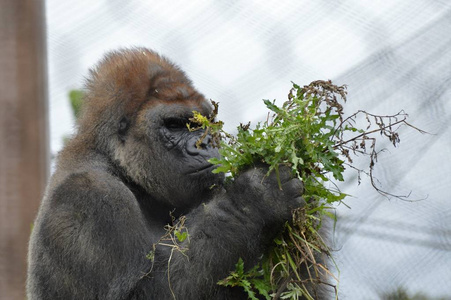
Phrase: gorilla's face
[136,110]
[160,154]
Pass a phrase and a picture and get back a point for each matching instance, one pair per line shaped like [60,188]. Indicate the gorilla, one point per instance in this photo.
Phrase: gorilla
[131,170]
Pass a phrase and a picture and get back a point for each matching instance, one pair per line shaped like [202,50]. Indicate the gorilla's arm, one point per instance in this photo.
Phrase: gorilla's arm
[237,224]
[93,243]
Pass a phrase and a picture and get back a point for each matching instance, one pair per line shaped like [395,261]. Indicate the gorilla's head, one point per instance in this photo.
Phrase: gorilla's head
[136,109]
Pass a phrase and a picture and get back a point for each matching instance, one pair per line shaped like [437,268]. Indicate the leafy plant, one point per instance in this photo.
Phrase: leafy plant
[251,281]
[309,133]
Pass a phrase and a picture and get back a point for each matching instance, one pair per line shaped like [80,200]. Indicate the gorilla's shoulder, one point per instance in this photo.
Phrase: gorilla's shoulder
[90,188]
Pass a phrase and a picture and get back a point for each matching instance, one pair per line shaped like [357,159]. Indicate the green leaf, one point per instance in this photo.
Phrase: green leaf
[181,236]
[76,100]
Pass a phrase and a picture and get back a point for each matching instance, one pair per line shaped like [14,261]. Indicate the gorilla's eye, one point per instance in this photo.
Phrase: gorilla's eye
[175,123]
[123,126]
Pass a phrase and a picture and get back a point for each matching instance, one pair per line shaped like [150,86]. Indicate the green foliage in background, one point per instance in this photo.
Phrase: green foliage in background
[76,100]
[401,294]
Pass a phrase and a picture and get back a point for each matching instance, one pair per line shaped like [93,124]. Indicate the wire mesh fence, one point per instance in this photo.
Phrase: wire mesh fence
[393,56]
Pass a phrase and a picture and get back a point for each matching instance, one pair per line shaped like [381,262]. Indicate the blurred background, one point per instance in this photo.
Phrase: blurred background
[392,55]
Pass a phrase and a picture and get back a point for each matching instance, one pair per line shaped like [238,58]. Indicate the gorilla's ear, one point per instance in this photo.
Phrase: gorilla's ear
[124,124]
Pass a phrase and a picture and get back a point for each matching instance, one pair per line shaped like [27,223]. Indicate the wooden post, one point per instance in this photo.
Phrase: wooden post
[24,159]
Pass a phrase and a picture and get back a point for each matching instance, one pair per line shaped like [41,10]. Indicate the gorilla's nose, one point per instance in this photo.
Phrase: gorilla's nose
[198,144]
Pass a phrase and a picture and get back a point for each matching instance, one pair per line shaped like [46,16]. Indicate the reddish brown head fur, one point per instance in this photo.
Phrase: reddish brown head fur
[126,80]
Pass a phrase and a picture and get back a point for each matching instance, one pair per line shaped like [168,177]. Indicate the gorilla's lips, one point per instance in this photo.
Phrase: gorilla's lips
[202,169]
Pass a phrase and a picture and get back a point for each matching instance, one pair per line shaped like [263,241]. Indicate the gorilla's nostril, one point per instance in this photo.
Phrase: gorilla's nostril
[198,144]
[203,143]
[192,147]
[192,150]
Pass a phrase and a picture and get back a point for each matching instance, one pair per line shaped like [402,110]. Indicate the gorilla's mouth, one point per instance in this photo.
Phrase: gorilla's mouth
[202,169]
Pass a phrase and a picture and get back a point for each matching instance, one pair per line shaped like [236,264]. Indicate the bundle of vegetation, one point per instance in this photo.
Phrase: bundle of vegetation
[310,134]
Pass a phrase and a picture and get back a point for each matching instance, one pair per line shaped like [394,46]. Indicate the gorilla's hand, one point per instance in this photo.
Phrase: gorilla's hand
[273,202]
